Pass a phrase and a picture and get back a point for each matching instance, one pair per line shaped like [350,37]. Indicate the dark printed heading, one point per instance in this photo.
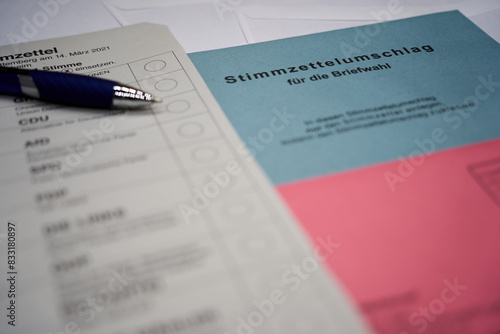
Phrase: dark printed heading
[231,79]
[29,54]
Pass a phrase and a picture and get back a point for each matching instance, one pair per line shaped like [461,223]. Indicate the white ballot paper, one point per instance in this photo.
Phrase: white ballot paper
[147,221]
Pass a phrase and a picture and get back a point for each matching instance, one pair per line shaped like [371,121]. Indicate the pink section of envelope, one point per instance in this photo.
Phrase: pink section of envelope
[422,257]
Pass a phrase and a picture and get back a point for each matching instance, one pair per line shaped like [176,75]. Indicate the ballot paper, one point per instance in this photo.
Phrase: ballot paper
[391,143]
[147,221]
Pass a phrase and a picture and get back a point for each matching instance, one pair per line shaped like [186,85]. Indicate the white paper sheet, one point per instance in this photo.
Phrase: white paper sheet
[224,23]
[27,21]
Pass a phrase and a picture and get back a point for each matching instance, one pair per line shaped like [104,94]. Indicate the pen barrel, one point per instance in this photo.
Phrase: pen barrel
[73,89]
[9,83]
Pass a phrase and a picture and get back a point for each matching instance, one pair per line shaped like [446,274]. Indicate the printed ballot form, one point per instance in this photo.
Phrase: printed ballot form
[393,146]
[147,221]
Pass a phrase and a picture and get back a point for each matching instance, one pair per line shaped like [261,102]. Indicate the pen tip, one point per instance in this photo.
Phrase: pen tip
[157,100]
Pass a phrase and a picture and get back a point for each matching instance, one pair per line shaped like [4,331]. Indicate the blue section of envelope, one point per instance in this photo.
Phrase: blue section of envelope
[328,102]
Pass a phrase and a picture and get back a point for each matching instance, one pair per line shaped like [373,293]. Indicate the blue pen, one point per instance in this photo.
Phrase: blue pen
[72,89]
